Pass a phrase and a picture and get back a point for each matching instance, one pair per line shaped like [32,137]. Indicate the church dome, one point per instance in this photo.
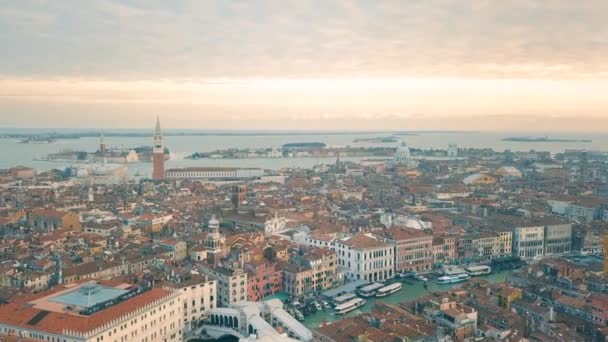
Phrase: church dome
[403,152]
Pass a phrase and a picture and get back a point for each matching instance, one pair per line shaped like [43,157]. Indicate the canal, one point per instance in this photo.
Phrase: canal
[409,292]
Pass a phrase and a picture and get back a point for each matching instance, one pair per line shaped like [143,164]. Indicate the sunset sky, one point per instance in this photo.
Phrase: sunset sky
[362,65]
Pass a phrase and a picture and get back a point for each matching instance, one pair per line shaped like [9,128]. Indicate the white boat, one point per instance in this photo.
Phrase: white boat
[326,305]
[388,290]
[420,277]
[478,270]
[455,278]
[349,306]
[369,290]
[318,306]
[344,298]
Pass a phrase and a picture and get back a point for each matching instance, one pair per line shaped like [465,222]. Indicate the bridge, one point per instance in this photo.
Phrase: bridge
[250,321]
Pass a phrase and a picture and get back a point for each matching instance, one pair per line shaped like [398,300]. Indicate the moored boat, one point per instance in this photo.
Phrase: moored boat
[349,306]
[455,278]
[388,290]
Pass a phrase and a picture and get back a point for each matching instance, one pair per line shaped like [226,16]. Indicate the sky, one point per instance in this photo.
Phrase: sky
[313,65]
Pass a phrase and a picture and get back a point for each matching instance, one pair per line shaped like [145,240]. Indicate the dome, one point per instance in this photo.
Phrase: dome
[413,223]
[403,152]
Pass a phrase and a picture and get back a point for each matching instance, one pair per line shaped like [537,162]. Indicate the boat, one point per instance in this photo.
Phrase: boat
[349,306]
[344,298]
[455,278]
[478,270]
[326,305]
[369,290]
[318,306]
[420,277]
[299,315]
[388,290]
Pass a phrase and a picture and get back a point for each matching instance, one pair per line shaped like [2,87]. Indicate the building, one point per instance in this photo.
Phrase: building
[297,280]
[458,320]
[413,249]
[95,311]
[485,246]
[153,223]
[239,194]
[403,157]
[274,224]
[479,179]
[263,279]
[100,173]
[214,242]
[199,296]
[231,284]
[529,242]
[452,150]
[558,239]
[50,219]
[366,257]
[214,173]
[158,153]
[102,145]
[323,264]
[444,249]
[178,248]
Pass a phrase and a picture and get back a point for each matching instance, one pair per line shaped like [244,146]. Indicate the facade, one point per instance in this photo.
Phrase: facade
[213,173]
[64,314]
[323,263]
[297,280]
[529,242]
[274,224]
[199,296]
[158,154]
[558,239]
[413,249]
[263,280]
[444,249]
[179,248]
[231,284]
[50,219]
[366,257]
[485,246]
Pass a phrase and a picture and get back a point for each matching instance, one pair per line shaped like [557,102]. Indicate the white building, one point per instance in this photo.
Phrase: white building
[529,242]
[205,173]
[366,257]
[231,284]
[452,151]
[199,297]
[274,224]
[403,157]
[93,312]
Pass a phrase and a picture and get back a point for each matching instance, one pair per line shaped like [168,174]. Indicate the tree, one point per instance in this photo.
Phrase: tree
[269,253]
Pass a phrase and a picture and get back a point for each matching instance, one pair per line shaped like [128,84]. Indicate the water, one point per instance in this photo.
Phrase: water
[13,153]
[408,293]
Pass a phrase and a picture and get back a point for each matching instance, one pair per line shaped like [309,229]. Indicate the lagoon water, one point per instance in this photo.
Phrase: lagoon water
[408,293]
[13,153]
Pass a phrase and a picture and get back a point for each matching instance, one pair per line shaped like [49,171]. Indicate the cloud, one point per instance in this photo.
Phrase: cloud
[435,38]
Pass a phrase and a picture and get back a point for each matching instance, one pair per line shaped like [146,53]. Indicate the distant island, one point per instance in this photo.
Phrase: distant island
[543,139]
[377,140]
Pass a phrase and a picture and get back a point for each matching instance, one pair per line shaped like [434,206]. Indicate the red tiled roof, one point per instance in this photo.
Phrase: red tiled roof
[19,313]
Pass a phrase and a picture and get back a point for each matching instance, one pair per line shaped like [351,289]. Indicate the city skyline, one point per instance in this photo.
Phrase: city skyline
[348,65]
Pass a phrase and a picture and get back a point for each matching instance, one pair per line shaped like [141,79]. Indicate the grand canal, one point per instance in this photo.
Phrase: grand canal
[409,292]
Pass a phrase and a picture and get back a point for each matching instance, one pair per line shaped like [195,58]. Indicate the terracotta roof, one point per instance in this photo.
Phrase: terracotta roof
[21,314]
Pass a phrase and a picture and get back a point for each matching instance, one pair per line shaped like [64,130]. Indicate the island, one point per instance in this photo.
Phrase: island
[543,139]
[377,140]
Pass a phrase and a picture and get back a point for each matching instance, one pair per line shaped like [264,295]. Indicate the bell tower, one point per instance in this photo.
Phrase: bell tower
[158,153]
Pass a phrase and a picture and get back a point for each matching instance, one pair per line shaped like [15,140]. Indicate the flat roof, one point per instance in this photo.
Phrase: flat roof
[88,295]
